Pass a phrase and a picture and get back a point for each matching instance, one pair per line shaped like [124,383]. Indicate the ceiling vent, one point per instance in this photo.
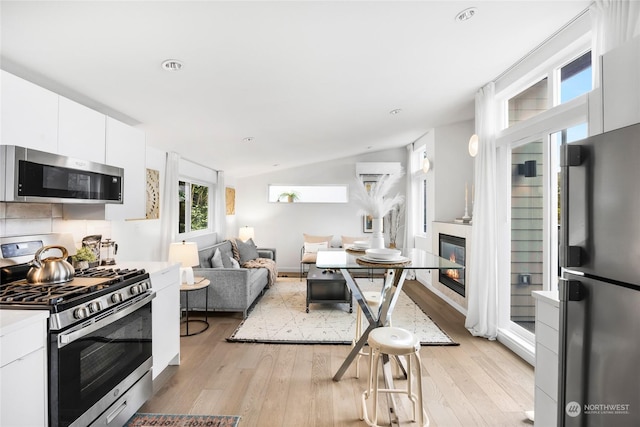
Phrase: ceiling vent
[172,65]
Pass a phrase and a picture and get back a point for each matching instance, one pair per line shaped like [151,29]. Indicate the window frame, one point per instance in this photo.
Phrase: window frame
[188,233]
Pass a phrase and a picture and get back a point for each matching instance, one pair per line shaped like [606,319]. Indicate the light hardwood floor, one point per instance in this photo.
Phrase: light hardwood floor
[478,383]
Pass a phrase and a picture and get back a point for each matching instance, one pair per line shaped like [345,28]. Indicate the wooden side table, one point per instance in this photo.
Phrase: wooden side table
[198,285]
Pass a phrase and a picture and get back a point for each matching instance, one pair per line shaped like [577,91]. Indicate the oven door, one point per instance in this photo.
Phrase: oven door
[91,365]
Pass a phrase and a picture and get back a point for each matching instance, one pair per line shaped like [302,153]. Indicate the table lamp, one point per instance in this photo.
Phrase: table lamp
[246,233]
[185,253]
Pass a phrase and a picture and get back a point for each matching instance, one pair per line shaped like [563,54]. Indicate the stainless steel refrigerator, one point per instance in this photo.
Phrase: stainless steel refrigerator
[599,371]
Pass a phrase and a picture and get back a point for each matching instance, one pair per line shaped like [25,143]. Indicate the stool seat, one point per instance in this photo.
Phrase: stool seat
[372,298]
[394,341]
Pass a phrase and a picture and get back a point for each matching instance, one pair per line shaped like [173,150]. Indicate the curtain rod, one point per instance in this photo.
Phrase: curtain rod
[545,41]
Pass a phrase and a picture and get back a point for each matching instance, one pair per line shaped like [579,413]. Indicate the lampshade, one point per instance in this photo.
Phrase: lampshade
[473,145]
[185,253]
[246,233]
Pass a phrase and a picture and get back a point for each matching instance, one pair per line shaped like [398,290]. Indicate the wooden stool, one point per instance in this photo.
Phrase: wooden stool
[373,300]
[393,342]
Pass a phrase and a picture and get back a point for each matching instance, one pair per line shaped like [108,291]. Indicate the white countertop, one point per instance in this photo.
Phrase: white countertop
[14,320]
[550,297]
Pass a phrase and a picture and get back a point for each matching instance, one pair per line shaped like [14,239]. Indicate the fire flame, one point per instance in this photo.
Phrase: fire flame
[453,274]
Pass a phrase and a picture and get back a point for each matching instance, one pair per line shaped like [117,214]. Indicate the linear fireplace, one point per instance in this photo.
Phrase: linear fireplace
[453,248]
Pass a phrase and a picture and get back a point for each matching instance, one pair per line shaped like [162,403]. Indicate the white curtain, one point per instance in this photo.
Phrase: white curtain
[169,204]
[482,269]
[613,23]
[411,194]
[220,225]
[410,202]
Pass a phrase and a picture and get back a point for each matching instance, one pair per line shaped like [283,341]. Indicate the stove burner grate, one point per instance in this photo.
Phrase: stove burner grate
[42,294]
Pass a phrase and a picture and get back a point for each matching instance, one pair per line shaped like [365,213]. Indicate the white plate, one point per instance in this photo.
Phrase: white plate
[384,261]
[383,253]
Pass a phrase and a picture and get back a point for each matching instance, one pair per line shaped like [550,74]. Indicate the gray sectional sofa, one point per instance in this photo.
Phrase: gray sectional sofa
[231,289]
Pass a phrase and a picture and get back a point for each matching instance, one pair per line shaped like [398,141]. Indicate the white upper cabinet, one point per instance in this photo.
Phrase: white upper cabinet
[621,85]
[29,114]
[81,131]
[125,148]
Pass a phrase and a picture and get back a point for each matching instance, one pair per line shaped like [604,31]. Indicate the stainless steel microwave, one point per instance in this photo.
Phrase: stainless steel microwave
[35,176]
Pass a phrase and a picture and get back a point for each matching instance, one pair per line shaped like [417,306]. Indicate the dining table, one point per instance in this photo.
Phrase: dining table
[395,273]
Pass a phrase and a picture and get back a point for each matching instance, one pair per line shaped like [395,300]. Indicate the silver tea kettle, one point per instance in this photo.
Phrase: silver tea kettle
[51,269]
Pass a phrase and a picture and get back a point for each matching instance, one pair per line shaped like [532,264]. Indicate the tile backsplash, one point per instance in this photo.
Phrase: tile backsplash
[39,218]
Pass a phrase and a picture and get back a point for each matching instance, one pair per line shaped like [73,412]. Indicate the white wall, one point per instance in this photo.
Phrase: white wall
[140,240]
[452,169]
[281,225]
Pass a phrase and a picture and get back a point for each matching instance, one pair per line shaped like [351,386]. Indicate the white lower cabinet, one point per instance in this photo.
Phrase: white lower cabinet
[23,368]
[166,318]
[546,370]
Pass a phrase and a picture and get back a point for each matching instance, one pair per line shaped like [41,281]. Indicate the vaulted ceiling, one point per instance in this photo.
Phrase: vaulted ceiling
[305,81]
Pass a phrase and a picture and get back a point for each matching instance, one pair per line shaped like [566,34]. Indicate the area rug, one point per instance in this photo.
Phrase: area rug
[176,420]
[280,317]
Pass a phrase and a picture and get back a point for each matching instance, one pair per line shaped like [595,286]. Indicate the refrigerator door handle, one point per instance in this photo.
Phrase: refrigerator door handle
[573,290]
[572,156]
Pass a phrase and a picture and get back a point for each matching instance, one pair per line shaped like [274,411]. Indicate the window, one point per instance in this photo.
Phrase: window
[569,81]
[528,103]
[194,207]
[337,193]
[575,78]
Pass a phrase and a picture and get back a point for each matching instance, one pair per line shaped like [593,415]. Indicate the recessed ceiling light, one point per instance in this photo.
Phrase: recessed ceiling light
[396,111]
[466,14]
[247,139]
[172,65]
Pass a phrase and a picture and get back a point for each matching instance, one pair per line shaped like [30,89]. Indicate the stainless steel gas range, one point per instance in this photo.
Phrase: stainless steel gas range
[99,336]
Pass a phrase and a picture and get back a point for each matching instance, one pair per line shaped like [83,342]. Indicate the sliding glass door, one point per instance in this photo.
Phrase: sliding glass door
[527,230]
[534,222]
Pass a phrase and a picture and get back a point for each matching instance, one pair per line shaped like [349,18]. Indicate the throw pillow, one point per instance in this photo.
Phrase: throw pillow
[247,250]
[312,248]
[348,241]
[216,260]
[234,263]
[316,239]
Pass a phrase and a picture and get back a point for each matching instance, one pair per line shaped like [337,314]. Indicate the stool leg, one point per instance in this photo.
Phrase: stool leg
[374,371]
[424,418]
[357,337]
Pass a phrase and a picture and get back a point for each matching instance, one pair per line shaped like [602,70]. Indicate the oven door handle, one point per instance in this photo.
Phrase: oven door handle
[71,336]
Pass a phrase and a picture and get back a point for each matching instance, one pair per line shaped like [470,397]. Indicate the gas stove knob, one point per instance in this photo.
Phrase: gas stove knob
[117,297]
[95,307]
[80,313]
[135,290]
